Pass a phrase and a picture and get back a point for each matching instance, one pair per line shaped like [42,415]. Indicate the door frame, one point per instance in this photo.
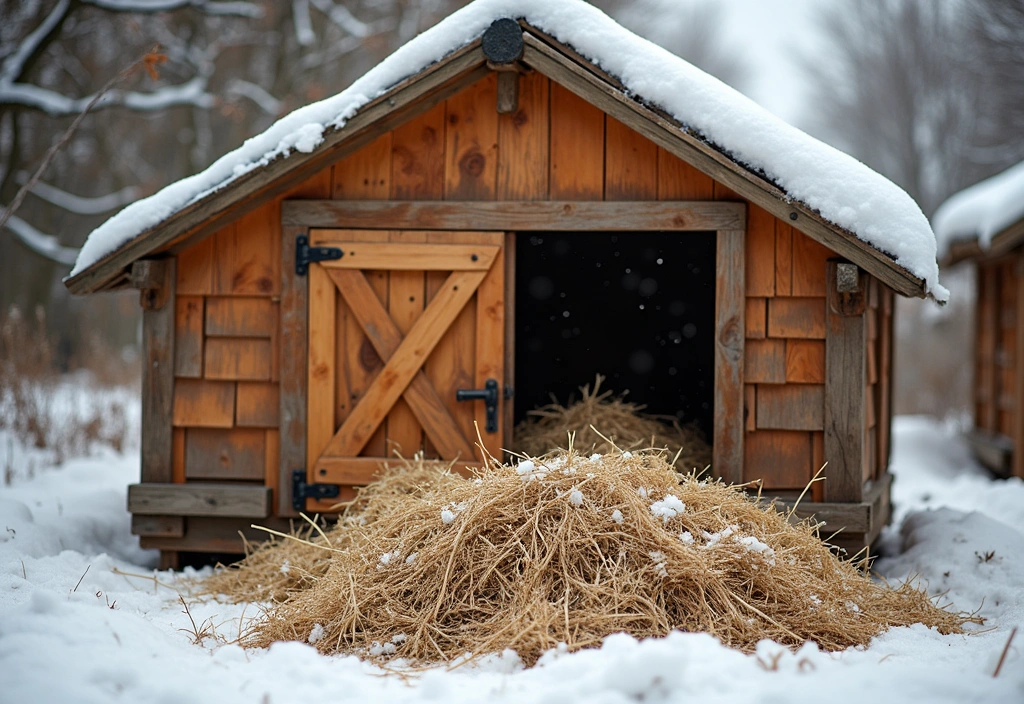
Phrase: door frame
[726,219]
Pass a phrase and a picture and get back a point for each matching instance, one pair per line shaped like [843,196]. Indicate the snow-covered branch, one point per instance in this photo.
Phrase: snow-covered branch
[44,245]
[192,92]
[236,9]
[303,25]
[80,204]
[257,94]
[15,63]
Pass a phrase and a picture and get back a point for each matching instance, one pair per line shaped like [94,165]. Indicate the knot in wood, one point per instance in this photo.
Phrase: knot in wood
[503,41]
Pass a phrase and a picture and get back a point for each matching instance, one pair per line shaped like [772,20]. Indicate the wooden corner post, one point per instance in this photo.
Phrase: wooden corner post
[156,279]
[845,382]
[294,346]
[730,330]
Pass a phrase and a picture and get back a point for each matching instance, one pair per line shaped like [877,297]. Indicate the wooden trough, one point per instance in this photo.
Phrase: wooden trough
[322,310]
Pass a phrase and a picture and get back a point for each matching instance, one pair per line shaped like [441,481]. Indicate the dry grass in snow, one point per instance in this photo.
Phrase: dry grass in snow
[567,548]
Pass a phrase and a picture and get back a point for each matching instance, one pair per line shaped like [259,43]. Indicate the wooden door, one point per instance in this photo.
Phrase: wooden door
[397,326]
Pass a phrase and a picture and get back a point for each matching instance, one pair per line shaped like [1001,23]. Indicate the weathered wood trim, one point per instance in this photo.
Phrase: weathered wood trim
[587,81]
[150,276]
[845,390]
[158,386]
[730,326]
[205,499]
[412,97]
[293,342]
[223,535]
[1007,239]
[1018,391]
[697,216]
[158,526]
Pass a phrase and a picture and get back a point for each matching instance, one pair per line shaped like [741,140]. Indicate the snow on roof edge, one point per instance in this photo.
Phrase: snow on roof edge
[843,190]
[981,211]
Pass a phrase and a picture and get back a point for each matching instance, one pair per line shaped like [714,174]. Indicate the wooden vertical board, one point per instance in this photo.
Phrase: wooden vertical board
[845,382]
[236,316]
[885,382]
[730,308]
[750,407]
[809,263]
[292,342]
[195,269]
[406,300]
[158,386]
[989,277]
[760,252]
[678,180]
[510,335]
[257,404]
[178,456]
[244,255]
[577,147]
[200,403]
[781,459]
[471,142]
[630,164]
[321,365]
[523,143]
[271,476]
[417,158]
[783,258]
[237,358]
[238,454]
[188,336]
[757,318]
[489,356]
[317,186]
[817,464]
[275,342]
[451,365]
[764,362]
[366,173]
[805,361]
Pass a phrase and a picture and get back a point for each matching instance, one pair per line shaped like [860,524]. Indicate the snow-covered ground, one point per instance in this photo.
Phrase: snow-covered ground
[85,618]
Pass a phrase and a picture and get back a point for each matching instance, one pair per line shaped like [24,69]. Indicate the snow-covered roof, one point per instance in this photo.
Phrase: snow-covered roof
[842,190]
[981,211]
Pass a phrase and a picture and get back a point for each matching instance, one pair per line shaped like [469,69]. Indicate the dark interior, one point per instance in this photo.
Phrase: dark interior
[636,307]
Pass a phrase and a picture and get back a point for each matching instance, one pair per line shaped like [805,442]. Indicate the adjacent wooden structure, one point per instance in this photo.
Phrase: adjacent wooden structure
[276,382]
[998,430]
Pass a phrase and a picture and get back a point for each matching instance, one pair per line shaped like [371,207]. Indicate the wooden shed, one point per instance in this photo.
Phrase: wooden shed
[997,257]
[324,309]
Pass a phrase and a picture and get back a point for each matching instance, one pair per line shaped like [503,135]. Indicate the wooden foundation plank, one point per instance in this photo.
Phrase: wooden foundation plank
[791,406]
[158,392]
[188,336]
[845,382]
[238,454]
[730,309]
[158,526]
[206,499]
[239,316]
[237,358]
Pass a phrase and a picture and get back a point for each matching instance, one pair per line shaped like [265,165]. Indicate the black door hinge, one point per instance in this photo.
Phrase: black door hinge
[301,490]
[489,395]
[306,255]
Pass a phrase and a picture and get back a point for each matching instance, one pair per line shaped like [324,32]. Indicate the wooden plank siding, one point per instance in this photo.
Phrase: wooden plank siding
[233,381]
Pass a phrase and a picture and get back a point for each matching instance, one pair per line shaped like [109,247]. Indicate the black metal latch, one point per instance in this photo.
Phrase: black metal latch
[489,395]
[306,255]
[301,490]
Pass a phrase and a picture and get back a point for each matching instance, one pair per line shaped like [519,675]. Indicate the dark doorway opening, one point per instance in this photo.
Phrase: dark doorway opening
[636,307]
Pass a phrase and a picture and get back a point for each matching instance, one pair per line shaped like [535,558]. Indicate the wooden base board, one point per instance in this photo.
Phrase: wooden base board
[220,535]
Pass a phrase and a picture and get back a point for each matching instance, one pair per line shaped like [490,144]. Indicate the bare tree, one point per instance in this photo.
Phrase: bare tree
[690,29]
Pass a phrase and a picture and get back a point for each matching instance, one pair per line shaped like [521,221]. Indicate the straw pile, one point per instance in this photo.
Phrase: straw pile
[567,549]
[622,424]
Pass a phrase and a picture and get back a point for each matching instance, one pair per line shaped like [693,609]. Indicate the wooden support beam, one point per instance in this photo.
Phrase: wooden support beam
[205,499]
[293,355]
[518,216]
[730,308]
[158,381]
[151,277]
[845,383]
